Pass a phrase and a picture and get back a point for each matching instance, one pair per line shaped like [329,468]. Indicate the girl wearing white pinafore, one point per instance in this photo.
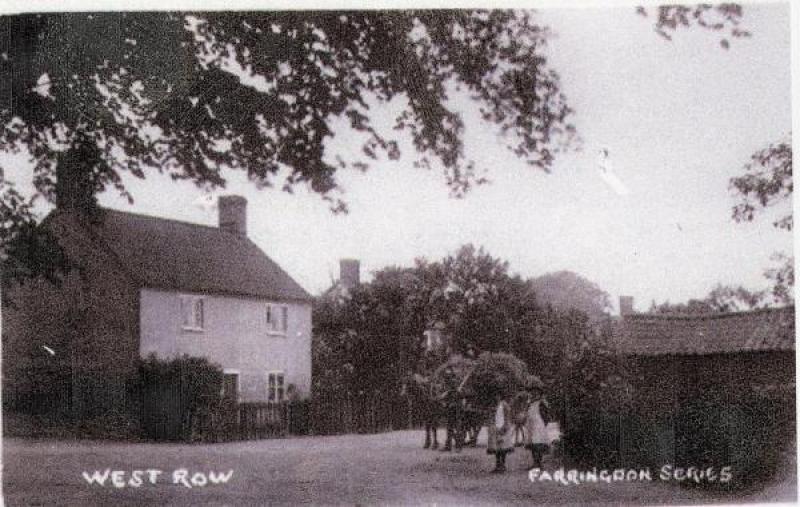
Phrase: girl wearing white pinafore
[500,438]
[536,437]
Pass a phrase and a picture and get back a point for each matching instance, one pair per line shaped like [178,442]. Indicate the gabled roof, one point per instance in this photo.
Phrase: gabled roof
[167,254]
[754,331]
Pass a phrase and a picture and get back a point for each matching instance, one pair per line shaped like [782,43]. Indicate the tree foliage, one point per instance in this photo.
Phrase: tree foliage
[782,278]
[567,290]
[366,340]
[721,18]
[726,299]
[374,336]
[197,395]
[193,95]
[190,94]
[767,184]
[721,299]
[482,306]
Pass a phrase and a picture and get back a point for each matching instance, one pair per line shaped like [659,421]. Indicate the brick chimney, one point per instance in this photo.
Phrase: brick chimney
[625,306]
[233,214]
[75,188]
[349,273]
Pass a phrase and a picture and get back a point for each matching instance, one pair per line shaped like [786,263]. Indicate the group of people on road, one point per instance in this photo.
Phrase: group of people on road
[521,421]
[530,420]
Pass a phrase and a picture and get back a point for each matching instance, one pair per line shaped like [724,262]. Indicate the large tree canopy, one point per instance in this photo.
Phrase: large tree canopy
[193,94]
[374,334]
[189,94]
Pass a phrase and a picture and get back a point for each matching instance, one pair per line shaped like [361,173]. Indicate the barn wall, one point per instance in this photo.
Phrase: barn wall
[666,385]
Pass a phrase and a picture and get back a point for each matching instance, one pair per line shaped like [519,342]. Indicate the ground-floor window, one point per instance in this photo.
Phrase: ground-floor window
[230,385]
[275,386]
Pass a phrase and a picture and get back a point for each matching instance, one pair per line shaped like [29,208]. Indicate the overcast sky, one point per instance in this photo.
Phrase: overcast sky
[679,119]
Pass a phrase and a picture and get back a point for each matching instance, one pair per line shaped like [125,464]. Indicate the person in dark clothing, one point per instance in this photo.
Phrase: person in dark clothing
[454,411]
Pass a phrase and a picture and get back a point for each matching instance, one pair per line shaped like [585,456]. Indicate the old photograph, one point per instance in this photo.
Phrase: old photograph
[538,255]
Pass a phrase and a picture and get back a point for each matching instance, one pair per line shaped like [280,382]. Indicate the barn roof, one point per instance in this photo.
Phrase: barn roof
[753,331]
[172,255]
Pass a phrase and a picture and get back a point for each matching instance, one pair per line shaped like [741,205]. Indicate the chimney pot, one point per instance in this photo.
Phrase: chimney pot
[233,214]
[349,273]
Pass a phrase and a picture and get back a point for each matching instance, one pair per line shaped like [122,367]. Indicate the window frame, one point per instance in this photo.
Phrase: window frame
[238,374]
[193,300]
[277,310]
[278,374]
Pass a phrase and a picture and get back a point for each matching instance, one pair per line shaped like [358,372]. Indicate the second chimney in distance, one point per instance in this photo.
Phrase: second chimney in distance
[233,214]
[625,306]
[349,273]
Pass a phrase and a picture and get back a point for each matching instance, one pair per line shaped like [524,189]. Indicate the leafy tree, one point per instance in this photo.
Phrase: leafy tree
[720,18]
[767,184]
[374,336]
[567,290]
[190,94]
[481,305]
[734,299]
[782,277]
[721,299]
[369,339]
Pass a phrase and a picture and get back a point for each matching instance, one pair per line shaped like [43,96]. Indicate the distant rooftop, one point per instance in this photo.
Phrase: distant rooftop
[753,331]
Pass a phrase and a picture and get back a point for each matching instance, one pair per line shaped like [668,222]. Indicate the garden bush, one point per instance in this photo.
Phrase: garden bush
[180,398]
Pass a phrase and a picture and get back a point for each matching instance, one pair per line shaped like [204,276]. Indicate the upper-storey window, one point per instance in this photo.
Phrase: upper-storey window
[277,319]
[192,311]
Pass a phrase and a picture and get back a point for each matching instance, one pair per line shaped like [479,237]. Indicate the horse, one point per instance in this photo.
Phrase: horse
[428,406]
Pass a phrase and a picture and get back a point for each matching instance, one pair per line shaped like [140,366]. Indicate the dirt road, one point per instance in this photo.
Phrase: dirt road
[388,468]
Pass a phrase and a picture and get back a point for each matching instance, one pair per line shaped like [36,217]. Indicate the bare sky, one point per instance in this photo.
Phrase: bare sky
[679,119]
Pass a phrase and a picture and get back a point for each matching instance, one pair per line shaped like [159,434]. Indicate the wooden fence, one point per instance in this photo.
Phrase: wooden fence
[370,413]
[161,413]
[314,416]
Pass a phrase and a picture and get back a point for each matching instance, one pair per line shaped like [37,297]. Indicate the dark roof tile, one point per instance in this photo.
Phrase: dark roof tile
[167,254]
[758,330]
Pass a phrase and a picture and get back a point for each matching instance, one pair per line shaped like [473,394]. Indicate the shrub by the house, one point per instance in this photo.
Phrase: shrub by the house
[181,399]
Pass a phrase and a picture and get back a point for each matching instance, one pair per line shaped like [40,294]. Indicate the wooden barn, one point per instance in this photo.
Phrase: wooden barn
[705,377]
